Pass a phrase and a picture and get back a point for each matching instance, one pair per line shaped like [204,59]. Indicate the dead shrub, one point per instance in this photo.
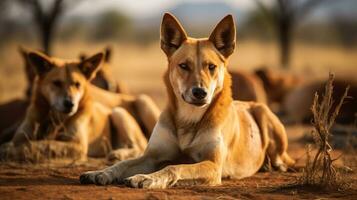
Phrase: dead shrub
[321,171]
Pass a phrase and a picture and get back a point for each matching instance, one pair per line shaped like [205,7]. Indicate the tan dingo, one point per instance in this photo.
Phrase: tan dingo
[78,116]
[13,112]
[202,135]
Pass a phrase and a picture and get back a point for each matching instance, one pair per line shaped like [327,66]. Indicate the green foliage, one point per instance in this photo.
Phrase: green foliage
[257,25]
[77,27]
[111,25]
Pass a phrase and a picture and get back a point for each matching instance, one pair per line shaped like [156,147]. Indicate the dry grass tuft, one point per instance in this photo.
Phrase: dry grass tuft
[321,171]
[40,151]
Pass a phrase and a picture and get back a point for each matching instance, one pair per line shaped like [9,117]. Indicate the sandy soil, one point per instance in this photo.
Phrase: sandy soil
[60,181]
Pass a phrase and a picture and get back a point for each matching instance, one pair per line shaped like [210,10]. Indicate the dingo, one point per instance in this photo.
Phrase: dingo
[14,112]
[66,107]
[202,135]
[247,87]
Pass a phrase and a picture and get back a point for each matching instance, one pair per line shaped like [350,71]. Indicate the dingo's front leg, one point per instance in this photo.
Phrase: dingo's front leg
[206,172]
[117,172]
[148,112]
[130,140]
[162,147]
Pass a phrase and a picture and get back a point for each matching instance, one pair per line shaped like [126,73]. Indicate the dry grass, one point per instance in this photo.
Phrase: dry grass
[48,149]
[321,171]
[45,148]
[40,151]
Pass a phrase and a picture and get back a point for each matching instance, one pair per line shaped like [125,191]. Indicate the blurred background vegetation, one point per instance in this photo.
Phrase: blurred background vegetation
[325,22]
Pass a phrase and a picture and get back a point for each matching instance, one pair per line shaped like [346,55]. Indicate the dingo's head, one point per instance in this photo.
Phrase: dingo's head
[197,66]
[63,83]
[104,78]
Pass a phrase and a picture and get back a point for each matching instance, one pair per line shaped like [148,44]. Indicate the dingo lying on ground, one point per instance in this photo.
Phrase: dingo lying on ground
[247,87]
[202,135]
[78,116]
[13,112]
[302,98]
[278,85]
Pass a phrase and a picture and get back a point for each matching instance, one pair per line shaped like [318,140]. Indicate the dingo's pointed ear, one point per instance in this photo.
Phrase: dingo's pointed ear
[224,36]
[40,62]
[89,66]
[107,54]
[29,69]
[23,52]
[172,34]
[82,56]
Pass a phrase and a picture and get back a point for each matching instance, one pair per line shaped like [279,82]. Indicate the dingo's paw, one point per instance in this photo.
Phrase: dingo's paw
[96,177]
[145,181]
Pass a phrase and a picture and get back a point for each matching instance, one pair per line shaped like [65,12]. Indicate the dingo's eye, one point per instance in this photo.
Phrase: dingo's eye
[77,84]
[211,67]
[184,66]
[57,83]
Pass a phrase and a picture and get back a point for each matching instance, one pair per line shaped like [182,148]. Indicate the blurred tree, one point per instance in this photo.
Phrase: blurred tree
[284,15]
[74,29]
[4,22]
[3,5]
[346,28]
[111,24]
[46,15]
[252,27]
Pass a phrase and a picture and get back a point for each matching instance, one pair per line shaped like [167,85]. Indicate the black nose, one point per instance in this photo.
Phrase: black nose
[199,93]
[68,104]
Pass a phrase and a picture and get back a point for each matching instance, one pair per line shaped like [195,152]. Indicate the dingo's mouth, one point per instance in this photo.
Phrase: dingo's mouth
[198,103]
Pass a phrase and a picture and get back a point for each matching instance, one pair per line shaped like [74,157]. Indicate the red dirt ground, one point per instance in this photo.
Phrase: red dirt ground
[60,181]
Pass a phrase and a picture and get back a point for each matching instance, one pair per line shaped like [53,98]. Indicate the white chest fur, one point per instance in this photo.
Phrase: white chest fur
[188,113]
